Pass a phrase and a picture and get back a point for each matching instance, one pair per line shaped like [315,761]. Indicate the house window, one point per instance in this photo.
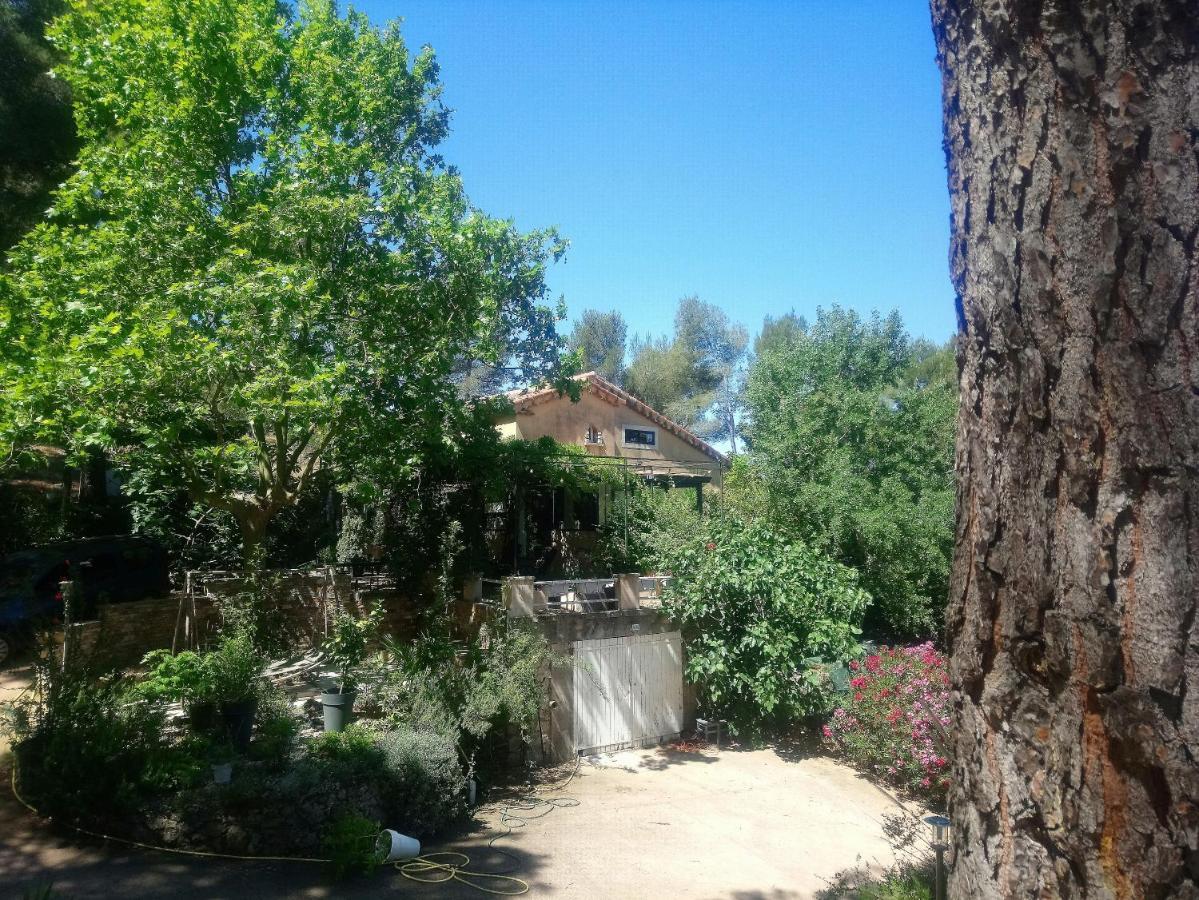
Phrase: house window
[640,437]
[594,435]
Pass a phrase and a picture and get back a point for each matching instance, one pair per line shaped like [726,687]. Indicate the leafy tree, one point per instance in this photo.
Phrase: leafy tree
[599,338]
[695,376]
[853,445]
[764,616]
[37,131]
[786,329]
[262,269]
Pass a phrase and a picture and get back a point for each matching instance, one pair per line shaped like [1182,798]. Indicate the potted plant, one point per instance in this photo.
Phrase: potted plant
[182,677]
[235,669]
[346,648]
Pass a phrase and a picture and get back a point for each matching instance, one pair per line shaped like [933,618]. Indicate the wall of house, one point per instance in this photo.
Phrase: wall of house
[568,422]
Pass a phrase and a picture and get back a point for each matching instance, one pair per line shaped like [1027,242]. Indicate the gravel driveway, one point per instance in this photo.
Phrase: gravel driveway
[678,823]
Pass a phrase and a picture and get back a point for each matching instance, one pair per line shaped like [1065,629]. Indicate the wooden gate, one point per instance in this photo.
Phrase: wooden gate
[628,691]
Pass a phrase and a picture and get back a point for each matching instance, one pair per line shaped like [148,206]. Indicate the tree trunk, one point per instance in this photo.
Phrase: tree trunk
[253,533]
[1070,133]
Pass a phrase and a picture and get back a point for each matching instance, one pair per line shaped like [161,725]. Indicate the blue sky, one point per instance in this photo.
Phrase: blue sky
[765,156]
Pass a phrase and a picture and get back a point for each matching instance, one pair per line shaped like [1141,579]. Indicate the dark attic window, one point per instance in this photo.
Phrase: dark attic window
[641,437]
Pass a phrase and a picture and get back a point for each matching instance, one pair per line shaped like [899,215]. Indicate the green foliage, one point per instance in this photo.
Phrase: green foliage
[599,338]
[231,673]
[416,772]
[182,677]
[276,726]
[85,742]
[37,132]
[764,616]
[852,451]
[350,845]
[261,269]
[423,778]
[695,372]
[348,640]
[254,612]
[235,668]
[359,532]
[472,692]
[646,522]
[457,477]
[786,329]
[40,891]
[901,883]
[352,749]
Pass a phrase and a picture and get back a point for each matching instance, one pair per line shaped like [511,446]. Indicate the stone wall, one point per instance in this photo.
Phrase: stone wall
[125,632]
[303,606]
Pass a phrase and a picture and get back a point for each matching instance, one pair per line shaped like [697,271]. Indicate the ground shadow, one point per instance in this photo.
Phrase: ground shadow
[677,755]
[794,747]
[35,854]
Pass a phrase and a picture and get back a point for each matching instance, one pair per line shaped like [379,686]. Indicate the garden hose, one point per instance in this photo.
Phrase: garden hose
[431,868]
[434,868]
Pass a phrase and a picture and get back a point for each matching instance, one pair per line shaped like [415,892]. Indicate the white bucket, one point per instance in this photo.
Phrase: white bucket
[394,846]
[222,773]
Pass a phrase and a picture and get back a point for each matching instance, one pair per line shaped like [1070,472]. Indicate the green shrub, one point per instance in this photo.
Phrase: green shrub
[417,773]
[424,778]
[352,750]
[230,673]
[350,843]
[764,618]
[348,640]
[275,728]
[89,742]
[182,677]
[235,668]
[474,692]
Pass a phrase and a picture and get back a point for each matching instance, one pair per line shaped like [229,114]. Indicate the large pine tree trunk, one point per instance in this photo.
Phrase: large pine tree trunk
[1071,132]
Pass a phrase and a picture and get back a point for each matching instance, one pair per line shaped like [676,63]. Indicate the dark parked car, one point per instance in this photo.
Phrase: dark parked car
[111,569]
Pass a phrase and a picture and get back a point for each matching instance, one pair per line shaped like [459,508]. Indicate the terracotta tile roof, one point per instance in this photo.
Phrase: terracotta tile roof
[606,390]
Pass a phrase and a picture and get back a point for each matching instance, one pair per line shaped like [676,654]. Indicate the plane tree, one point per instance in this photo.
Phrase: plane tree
[262,268]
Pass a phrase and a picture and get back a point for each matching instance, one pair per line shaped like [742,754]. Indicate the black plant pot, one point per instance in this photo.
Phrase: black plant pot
[203,718]
[239,722]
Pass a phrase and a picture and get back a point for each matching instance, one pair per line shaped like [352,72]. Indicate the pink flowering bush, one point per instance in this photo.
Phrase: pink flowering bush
[893,722]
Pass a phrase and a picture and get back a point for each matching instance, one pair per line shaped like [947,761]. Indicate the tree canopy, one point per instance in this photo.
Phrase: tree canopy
[600,339]
[693,376]
[37,132]
[852,436]
[262,268]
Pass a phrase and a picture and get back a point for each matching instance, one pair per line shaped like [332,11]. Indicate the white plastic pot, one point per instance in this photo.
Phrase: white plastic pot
[222,773]
[394,846]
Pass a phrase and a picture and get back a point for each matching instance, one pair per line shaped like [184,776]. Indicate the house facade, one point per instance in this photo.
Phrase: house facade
[616,429]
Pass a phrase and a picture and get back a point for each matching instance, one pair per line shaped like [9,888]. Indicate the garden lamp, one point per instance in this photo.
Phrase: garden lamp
[940,826]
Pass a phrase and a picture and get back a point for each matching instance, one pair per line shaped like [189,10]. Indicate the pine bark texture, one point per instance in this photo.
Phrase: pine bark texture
[1071,133]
